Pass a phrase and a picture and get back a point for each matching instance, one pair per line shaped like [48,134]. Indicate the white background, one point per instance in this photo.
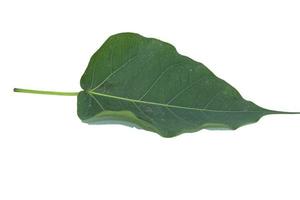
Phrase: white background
[47,153]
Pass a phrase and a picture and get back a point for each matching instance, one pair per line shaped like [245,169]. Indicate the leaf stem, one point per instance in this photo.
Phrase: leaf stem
[45,92]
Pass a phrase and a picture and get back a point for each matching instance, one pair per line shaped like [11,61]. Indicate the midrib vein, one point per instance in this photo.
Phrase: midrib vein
[167,105]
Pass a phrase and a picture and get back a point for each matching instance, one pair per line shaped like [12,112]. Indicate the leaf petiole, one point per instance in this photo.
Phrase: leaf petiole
[45,92]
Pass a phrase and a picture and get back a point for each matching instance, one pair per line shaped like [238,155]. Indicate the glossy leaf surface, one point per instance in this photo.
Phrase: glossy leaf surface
[144,82]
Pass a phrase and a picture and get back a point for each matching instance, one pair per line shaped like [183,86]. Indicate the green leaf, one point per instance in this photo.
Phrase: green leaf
[144,82]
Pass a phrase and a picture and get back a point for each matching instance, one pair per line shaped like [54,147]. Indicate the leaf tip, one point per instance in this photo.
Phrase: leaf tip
[282,112]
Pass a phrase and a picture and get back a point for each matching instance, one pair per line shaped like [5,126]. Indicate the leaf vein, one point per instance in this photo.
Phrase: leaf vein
[98,102]
[182,91]
[178,117]
[170,105]
[142,111]
[116,71]
[157,79]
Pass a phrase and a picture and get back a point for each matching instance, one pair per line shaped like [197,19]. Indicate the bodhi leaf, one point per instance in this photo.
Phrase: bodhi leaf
[146,83]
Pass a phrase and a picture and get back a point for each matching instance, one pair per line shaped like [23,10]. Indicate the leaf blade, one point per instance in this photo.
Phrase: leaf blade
[169,92]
